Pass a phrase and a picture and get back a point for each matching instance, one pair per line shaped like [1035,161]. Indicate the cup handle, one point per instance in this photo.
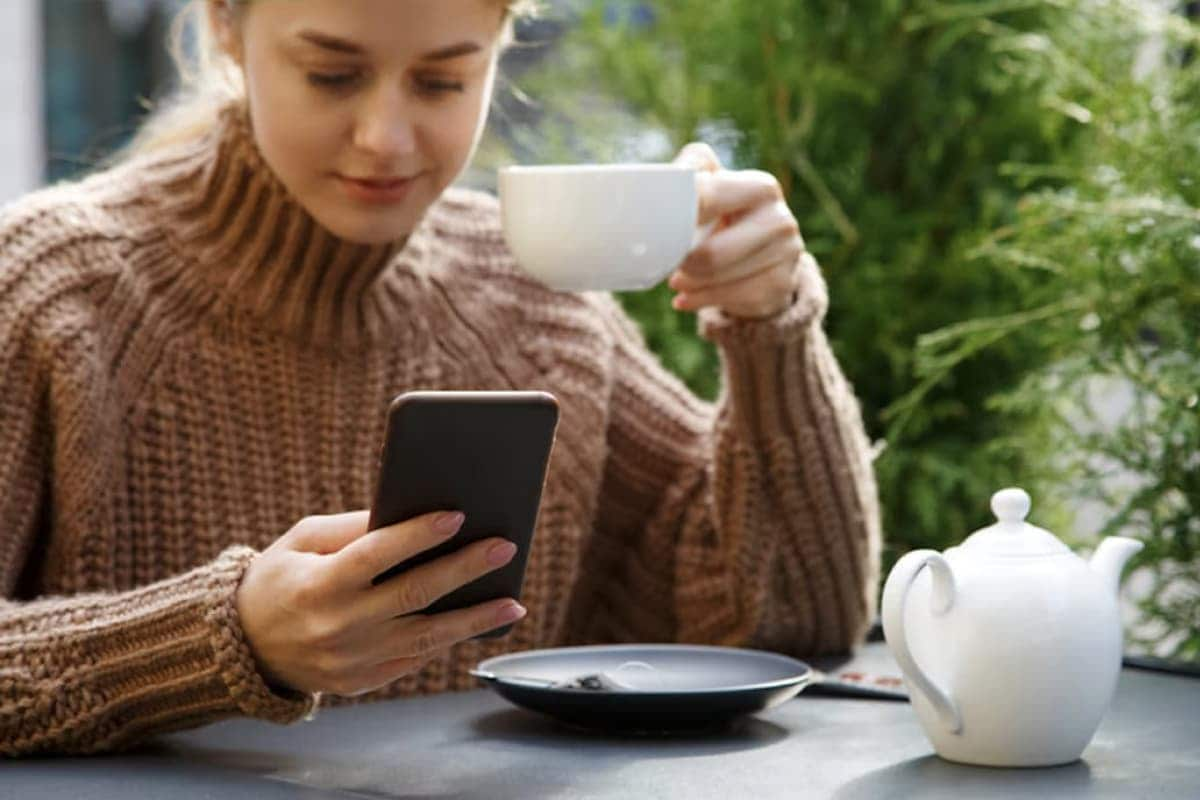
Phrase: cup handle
[895,595]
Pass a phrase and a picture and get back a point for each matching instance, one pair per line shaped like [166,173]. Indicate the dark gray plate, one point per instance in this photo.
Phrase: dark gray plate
[682,688]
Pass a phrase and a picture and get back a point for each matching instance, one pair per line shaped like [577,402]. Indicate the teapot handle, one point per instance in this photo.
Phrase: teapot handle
[895,594]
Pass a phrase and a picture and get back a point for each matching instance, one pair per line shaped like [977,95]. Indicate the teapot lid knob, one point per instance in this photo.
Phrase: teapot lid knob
[1012,535]
[1010,505]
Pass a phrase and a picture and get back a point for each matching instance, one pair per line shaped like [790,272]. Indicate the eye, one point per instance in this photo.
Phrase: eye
[438,86]
[333,80]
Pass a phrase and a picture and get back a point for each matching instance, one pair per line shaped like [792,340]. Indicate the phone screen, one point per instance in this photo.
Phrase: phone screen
[483,453]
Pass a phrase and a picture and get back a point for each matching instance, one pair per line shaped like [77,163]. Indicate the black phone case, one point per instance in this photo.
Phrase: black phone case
[483,453]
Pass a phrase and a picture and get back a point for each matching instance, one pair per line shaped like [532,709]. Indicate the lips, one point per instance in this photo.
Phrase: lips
[379,183]
[378,189]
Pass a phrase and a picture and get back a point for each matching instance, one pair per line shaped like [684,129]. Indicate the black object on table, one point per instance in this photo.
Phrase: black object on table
[651,689]
[475,745]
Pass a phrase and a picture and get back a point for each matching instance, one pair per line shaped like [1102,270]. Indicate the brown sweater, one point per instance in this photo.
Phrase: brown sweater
[190,365]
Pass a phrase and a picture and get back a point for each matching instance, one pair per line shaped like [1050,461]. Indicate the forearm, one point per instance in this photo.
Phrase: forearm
[751,521]
[794,562]
[98,672]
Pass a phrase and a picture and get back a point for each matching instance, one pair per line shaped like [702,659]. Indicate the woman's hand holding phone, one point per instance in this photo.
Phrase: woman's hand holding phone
[316,622]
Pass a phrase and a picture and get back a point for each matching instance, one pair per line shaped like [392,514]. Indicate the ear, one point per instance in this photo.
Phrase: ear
[223,22]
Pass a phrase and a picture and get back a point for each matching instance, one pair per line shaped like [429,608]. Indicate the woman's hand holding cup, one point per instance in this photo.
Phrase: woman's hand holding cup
[316,623]
[748,264]
[623,227]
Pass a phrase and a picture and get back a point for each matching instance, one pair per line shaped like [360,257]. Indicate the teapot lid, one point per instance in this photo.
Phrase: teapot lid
[1012,535]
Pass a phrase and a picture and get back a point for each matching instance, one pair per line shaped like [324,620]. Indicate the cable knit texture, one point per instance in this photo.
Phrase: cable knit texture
[191,364]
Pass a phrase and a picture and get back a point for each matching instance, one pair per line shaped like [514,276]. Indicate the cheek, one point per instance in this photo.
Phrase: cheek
[452,137]
[278,104]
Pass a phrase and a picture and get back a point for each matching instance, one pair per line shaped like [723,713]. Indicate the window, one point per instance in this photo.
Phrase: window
[102,60]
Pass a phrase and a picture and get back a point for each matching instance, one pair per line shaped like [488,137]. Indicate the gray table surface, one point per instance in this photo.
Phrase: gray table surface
[475,745]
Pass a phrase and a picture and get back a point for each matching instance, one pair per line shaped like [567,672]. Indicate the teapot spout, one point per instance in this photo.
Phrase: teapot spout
[1110,557]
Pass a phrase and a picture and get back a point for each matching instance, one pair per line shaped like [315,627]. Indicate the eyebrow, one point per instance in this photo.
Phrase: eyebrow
[337,45]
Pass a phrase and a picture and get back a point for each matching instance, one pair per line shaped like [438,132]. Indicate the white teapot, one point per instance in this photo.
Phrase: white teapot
[1010,643]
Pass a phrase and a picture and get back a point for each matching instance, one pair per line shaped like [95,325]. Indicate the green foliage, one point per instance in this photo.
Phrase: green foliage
[988,178]
[886,122]
[1108,267]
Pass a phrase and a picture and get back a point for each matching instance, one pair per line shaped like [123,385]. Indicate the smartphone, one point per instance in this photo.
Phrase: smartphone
[483,453]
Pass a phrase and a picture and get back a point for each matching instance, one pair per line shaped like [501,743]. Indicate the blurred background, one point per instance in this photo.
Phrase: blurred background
[1004,196]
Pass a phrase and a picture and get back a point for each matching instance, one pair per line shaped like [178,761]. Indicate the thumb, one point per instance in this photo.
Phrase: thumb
[700,156]
[704,159]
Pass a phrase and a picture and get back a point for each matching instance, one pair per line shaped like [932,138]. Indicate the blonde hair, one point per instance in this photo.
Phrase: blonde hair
[210,80]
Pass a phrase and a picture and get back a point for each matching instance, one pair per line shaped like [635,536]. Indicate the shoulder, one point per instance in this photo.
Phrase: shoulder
[44,237]
[42,230]
[467,244]
[467,213]
[465,224]
[475,266]
[62,250]
[471,250]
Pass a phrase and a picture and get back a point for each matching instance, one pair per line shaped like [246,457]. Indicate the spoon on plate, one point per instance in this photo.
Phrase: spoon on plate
[638,676]
[648,679]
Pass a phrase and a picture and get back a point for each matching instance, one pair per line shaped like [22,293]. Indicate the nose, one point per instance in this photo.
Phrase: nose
[384,128]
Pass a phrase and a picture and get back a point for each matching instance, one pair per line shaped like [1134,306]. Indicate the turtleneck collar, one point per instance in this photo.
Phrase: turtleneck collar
[264,254]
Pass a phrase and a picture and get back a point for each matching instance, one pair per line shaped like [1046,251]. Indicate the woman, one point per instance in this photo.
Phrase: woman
[198,343]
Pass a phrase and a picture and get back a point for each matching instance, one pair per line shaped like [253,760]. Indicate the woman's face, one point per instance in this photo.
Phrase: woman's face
[365,109]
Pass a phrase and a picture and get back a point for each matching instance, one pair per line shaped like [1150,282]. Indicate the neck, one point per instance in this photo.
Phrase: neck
[262,252]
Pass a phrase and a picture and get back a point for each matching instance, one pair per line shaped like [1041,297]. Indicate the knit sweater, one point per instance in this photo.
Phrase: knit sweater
[190,364]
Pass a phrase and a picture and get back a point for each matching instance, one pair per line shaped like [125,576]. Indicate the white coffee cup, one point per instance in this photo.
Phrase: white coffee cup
[599,226]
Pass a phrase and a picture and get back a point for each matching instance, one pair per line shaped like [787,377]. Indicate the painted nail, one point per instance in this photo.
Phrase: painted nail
[501,553]
[449,523]
[510,613]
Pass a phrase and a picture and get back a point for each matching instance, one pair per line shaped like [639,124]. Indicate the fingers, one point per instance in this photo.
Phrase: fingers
[765,225]
[327,533]
[379,550]
[420,635]
[403,645]
[730,192]
[419,587]
[772,254]
[700,156]
[760,295]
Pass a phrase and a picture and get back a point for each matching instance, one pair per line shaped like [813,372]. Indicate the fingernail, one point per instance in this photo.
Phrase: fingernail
[510,613]
[449,523]
[501,553]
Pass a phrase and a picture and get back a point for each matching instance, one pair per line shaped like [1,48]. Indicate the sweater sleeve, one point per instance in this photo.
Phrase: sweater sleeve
[100,671]
[749,522]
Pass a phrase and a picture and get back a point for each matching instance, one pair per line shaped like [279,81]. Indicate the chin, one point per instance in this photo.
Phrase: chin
[370,229]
